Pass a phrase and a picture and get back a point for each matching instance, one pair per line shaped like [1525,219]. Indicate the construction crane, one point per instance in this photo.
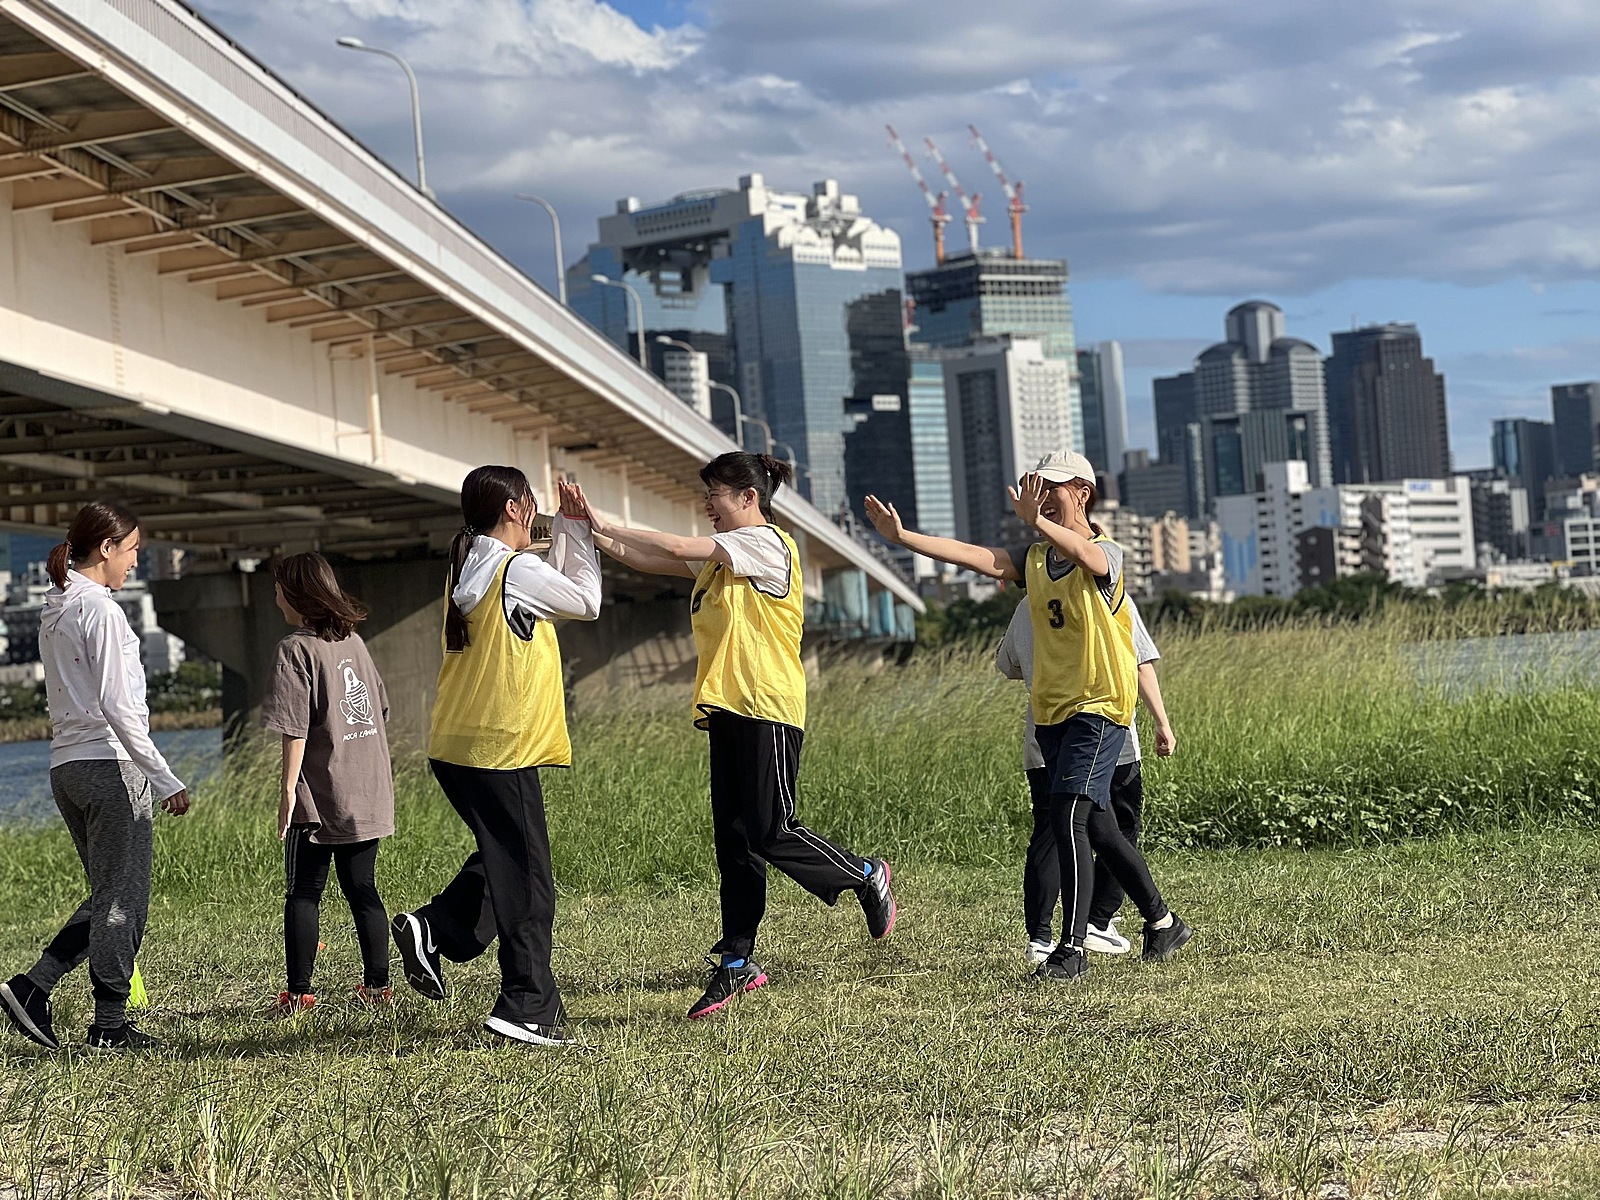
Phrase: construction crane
[937,216]
[969,208]
[1013,191]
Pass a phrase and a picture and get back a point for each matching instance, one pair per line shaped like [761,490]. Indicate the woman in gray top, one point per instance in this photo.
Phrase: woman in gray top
[105,773]
[337,797]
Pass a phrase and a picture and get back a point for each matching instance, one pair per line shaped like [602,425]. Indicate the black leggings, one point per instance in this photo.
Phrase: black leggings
[1100,859]
[306,869]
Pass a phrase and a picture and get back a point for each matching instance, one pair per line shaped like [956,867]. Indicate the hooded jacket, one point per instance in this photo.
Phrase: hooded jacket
[94,681]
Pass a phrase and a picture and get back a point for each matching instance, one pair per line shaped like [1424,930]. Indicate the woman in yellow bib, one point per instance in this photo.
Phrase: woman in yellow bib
[747,611]
[499,716]
[1085,681]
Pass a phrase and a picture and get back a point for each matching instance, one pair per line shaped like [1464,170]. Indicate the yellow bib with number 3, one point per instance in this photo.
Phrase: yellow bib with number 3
[1083,659]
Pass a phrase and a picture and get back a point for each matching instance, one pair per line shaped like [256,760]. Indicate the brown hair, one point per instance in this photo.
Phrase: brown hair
[312,590]
[738,471]
[97,522]
[485,492]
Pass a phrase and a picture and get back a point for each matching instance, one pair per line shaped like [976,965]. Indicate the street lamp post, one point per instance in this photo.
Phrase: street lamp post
[351,43]
[644,360]
[738,412]
[765,428]
[555,221]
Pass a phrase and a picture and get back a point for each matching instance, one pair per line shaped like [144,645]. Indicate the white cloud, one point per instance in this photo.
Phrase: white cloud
[1198,146]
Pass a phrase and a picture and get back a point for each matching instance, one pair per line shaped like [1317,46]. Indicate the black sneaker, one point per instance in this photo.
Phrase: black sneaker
[121,1039]
[1064,965]
[877,901]
[724,984]
[1162,944]
[28,1007]
[414,939]
[530,1032]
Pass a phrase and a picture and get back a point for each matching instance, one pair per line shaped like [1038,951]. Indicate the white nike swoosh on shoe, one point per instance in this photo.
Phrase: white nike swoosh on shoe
[517,1031]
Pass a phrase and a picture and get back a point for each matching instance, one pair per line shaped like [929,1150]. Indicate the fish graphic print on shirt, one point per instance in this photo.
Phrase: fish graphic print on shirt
[357,703]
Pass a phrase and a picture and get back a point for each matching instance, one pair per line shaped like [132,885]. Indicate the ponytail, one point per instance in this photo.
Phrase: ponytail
[97,522]
[455,621]
[57,564]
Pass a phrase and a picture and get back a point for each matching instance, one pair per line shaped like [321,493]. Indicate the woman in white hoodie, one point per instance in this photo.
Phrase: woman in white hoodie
[499,717]
[105,774]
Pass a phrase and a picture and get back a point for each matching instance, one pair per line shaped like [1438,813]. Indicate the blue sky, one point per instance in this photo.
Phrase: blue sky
[1417,160]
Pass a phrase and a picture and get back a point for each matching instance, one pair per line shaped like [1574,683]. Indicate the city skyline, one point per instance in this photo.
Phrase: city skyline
[1421,165]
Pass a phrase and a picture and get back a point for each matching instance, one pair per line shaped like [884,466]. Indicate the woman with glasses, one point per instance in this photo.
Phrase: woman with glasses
[747,612]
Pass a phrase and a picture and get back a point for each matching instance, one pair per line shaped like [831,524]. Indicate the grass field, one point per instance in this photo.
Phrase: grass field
[1361,1013]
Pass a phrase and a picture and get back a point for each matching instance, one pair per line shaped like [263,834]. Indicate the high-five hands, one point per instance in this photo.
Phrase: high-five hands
[885,520]
[1026,499]
[582,510]
[571,503]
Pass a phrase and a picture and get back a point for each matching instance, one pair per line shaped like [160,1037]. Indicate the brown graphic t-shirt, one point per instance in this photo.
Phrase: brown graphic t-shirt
[330,694]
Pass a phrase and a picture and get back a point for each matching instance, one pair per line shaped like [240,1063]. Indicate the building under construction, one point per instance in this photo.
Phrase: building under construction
[987,293]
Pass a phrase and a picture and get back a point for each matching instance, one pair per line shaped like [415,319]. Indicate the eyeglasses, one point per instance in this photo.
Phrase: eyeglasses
[712,494]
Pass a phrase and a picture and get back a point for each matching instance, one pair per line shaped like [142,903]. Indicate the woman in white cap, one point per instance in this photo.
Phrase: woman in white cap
[1113,833]
[1085,671]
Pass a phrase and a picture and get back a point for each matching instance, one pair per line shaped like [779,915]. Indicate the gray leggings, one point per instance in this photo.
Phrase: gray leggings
[107,805]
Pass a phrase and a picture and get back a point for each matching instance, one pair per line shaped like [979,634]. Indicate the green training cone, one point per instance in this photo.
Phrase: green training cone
[137,998]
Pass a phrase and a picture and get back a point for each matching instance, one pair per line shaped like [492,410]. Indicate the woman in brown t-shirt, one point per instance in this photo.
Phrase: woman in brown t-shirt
[337,799]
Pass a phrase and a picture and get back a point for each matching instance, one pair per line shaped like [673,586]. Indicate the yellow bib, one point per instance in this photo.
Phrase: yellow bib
[500,704]
[749,645]
[1083,659]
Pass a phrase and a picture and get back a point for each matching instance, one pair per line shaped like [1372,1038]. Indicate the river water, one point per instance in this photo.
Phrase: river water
[25,769]
[1510,664]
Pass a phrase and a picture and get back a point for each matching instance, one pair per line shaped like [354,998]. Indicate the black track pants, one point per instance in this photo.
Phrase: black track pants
[1105,853]
[504,890]
[754,766]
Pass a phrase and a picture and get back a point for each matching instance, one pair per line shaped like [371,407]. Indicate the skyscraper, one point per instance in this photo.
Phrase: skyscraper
[930,444]
[1525,452]
[1386,407]
[1104,403]
[988,293]
[810,293]
[1008,405]
[1178,437]
[1257,398]
[1576,409]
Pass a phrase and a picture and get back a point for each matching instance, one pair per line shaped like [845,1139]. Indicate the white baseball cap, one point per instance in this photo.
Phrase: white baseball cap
[1061,466]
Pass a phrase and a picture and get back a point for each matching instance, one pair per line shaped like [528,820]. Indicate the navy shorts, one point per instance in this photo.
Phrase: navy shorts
[1081,755]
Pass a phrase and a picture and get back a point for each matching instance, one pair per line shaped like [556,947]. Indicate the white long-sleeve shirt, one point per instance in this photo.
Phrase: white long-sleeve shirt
[94,681]
[566,587]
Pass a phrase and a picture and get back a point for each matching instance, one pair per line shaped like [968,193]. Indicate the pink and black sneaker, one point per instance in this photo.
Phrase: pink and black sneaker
[724,984]
[877,901]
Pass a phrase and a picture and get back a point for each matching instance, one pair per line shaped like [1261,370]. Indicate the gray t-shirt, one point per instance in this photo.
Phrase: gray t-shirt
[331,694]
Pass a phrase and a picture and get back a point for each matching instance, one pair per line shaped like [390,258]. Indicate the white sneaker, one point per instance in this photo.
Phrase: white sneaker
[1107,940]
[1039,951]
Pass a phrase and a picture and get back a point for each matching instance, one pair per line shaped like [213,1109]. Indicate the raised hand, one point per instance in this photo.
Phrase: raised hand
[586,510]
[1026,499]
[885,520]
[571,501]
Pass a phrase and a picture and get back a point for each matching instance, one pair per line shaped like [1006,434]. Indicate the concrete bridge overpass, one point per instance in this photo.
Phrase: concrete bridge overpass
[217,305]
